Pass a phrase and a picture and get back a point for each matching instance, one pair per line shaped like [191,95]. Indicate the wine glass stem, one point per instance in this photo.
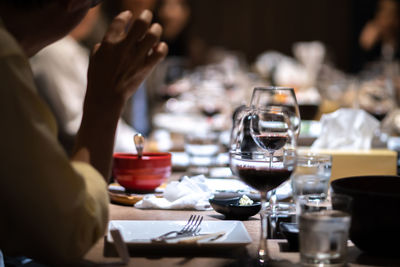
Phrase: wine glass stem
[272,199]
[263,249]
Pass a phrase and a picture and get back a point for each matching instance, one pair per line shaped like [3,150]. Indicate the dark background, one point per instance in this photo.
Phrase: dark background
[254,26]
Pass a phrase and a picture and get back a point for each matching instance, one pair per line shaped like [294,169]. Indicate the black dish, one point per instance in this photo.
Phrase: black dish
[375,212]
[232,210]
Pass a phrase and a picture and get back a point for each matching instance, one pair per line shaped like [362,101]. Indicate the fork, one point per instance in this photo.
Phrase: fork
[190,228]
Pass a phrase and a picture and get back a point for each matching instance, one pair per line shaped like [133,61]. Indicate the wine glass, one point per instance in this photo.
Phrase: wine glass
[274,96]
[257,168]
[278,96]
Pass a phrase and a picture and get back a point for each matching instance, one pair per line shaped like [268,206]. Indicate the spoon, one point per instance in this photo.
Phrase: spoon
[139,143]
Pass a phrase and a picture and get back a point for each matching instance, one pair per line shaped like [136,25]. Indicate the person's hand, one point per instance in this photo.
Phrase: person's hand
[370,35]
[128,52]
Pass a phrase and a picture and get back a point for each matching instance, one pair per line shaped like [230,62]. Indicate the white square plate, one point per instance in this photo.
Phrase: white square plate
[139,233]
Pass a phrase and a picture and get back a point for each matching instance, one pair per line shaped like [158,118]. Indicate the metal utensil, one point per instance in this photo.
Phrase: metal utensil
[195,238]
[189,229]
[138,139]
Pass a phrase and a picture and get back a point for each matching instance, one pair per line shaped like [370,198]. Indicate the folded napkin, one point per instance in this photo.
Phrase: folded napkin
[190,193]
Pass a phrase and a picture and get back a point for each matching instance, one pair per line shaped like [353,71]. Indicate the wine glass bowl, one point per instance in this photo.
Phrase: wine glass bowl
[260,172]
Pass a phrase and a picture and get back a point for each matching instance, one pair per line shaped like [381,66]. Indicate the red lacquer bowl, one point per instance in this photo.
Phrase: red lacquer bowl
[144,174]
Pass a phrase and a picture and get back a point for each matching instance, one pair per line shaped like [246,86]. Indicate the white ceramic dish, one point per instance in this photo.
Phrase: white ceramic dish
[139,233]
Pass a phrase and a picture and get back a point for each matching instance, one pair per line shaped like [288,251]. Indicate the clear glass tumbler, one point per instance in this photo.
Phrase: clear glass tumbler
[323,231]
[312,175]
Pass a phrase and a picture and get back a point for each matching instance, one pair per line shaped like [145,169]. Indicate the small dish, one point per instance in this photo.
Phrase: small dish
[231,209]
[291,232]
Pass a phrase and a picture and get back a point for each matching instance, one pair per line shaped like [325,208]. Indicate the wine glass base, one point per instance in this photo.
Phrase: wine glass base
[283,212]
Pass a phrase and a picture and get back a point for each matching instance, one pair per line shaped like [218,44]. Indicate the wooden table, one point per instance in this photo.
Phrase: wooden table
[237,257]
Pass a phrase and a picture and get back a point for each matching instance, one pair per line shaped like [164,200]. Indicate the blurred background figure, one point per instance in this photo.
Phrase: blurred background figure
[379,38]
[60,72]
[175,17]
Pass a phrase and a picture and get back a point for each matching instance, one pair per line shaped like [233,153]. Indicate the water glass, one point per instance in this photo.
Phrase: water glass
[202,149]
[323,230]
[312,175]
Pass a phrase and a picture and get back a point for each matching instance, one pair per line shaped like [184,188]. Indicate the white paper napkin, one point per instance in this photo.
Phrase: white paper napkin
[190,193]
[346,129]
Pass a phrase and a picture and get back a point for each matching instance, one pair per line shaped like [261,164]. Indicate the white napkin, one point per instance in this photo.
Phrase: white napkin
[346,129]
[190,193]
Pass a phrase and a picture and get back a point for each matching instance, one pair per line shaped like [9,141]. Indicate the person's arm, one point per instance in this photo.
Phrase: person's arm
[127,54]
[54,210]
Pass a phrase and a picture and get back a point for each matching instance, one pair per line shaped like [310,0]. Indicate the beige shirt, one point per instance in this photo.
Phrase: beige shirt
[51,209]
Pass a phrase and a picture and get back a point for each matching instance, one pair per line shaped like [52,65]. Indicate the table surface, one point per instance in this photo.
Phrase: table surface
[99,255]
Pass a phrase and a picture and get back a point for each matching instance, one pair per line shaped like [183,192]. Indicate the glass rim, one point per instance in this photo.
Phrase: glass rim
[314,156]
[278,108]
[234,152]
[273,88]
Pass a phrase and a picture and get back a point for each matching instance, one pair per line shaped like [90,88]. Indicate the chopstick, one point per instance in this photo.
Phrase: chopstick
[194,239]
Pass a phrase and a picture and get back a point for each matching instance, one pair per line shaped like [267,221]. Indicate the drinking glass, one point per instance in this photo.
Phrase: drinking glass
[257,167]
[312,175]
[278,96]
[323,230]
[274,96]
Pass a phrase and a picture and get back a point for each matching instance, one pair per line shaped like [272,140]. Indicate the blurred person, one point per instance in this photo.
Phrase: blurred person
[68,200]
[60,72]
[379,39]
[175,17]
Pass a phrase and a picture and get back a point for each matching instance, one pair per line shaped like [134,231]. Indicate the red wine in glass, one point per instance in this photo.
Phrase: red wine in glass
[263,179]
[272,142]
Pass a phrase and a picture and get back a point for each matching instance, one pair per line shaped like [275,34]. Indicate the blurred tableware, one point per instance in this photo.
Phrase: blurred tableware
[375,212]
[138,139]
[202,147]
[138,234]
[141,174]
[312,175]
[323,231]
[231,208]
[376,96]
[308,111]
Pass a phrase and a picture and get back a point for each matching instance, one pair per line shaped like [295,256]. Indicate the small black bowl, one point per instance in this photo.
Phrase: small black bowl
[375,213]
[232,210]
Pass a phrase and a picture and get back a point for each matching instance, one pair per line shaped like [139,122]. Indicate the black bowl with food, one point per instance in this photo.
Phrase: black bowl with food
[232,209]
[375,212]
